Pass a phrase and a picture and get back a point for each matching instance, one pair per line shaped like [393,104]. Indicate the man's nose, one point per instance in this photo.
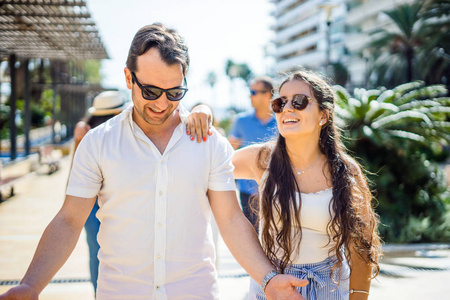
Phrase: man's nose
[162,102]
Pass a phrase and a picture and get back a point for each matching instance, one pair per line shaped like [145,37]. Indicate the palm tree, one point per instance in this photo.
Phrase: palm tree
[434,55]
[391,131]
[411,113]
[233,71]
[395,48]
[416,48]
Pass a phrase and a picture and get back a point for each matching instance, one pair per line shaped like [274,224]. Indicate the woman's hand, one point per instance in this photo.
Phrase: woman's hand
[199,123]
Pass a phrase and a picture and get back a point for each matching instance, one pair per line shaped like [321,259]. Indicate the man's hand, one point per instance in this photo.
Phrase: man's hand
[20,292]
[284,287]
[199,123]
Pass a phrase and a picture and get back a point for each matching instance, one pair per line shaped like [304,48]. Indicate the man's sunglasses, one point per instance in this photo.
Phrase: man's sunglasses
[299,102]
[255,92]
[150,92]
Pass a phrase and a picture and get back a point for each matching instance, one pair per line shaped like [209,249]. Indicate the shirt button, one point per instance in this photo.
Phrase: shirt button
[158,256]
[157,287]
[160,193]
[159,225]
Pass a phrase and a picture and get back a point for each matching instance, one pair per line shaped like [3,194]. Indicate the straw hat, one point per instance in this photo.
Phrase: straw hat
[107,103]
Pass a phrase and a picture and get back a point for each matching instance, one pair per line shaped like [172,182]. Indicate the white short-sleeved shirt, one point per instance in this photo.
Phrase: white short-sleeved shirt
[155,235]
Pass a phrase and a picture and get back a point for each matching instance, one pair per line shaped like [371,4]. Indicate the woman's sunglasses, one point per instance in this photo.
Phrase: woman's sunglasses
[299,102]
[150,92]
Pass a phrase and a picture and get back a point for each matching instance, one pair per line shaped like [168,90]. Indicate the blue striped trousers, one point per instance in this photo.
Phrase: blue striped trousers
[321,285]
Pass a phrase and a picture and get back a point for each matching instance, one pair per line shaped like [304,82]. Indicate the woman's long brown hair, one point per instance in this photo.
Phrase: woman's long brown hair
[354,224]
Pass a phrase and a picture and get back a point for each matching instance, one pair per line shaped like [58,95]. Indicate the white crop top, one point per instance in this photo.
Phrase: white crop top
[314,218]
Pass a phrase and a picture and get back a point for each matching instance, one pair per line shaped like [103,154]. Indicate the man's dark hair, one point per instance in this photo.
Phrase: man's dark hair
[266,81]
[170,44]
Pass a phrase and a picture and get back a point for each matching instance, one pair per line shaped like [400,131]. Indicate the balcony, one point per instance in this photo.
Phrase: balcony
[356,41]
[283,4]
[311,60]
[370,9]
[299,13]
[292,31]
[302,43]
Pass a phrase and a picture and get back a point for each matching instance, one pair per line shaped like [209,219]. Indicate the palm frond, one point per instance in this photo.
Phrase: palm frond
[406,87]
[343,113]
[407,135]
[402,117]
[438,112]
[342,95]
[424,92]
[405,16]
[378,109]
[387,96]
[418,104]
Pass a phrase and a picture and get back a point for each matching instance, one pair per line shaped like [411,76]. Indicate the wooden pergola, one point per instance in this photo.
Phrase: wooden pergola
[57,30]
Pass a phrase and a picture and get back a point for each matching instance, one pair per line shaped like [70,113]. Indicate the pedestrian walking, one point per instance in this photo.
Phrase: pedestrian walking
[254,126]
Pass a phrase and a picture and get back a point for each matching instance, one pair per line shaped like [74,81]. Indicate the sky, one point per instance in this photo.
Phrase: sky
[215,30]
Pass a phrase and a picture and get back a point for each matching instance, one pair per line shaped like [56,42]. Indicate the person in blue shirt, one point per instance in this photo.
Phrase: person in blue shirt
[255,126]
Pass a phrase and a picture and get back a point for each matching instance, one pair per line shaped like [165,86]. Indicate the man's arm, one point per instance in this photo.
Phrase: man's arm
[54,248]
[243,243]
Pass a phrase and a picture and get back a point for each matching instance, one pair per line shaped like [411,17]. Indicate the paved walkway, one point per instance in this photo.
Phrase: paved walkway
[410,274]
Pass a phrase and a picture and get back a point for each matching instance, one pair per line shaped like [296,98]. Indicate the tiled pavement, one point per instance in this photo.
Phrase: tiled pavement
[410,275]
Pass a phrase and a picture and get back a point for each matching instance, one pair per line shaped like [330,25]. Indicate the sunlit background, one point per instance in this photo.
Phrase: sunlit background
[389,59]
[215,31]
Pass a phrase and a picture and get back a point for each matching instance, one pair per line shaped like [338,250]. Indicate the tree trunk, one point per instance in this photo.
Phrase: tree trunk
[409,59]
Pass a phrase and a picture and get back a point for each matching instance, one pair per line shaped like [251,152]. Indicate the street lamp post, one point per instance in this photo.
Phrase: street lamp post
[328,8]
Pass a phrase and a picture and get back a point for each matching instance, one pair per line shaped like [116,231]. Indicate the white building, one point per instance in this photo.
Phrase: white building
[363,17]
[301,34]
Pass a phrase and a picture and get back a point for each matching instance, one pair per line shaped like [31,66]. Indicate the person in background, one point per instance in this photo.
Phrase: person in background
[105,106]
[255,126]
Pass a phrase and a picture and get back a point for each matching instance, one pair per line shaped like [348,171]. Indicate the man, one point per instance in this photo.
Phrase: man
[155,189]
[251,127]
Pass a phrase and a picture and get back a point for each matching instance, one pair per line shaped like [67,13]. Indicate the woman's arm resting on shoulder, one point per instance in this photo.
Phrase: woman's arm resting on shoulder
[240,237]
[54,248]
[245,161]
[199,122]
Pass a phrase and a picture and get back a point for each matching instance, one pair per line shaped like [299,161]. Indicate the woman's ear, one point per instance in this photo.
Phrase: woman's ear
[324,118]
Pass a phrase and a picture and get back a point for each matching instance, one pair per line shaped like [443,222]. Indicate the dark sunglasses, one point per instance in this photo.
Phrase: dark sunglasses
[299,102]
[150,92]
[254,92]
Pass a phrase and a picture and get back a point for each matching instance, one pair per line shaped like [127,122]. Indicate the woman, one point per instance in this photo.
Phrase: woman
[315,204]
